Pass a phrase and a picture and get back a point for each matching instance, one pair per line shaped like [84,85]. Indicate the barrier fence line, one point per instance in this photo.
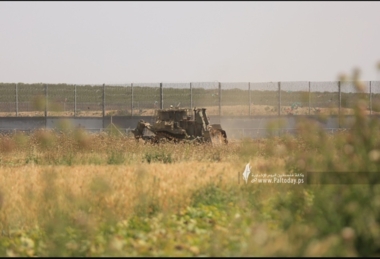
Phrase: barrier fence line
[309,99]
[75,100]
[191,96]
[279,98]
[46,104]
[131,99]
[370,97]
[340,102]
[16,97]
[249,98]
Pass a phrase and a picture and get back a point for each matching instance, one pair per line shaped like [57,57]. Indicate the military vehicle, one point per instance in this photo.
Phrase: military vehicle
[180,125]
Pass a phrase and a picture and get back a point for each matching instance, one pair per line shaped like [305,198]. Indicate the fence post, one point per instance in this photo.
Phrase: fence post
[16,89]
[131,99]
[104,100]
[340,103]
[104,104]
[161,97]
[75,100]
[46,104]
[191,96]
[279,99]
[309,98]
[370,97]
[220,99]
[250,100]
[46,100]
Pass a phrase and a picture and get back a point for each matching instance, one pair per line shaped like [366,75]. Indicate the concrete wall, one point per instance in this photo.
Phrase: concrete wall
[21,123]
[237,127]
[89,123]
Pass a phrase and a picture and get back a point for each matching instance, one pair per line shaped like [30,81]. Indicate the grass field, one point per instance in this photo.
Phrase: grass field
[79,194]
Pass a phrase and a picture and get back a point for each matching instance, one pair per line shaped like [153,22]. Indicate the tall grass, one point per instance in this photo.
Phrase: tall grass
[77,194]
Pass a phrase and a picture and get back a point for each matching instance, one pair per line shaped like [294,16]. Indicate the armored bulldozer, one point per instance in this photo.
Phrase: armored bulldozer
[180,125]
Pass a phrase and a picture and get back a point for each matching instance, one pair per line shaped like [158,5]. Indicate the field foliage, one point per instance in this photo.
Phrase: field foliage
[71,193]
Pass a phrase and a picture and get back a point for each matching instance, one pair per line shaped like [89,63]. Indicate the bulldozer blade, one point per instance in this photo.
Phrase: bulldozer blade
[207,136]
[218,136]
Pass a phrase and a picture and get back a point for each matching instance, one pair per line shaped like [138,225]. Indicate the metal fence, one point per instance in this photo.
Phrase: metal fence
[222,99]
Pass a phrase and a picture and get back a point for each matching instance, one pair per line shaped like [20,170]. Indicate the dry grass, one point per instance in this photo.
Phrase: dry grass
[78,194]
[74,194]
[28,161]
[22,188]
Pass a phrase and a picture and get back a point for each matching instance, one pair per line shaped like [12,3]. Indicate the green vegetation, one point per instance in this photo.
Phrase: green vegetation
[75,194]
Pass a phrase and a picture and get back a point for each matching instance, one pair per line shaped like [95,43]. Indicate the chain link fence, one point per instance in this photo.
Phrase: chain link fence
[219,98]
[324,96]
[235,99]
[264,98]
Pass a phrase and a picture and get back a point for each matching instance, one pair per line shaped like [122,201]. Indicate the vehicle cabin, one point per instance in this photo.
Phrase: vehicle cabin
[172,115]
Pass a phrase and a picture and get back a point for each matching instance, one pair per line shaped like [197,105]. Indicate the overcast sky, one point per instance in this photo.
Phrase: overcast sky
[122,42]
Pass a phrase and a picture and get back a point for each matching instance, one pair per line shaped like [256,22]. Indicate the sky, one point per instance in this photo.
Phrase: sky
[123,42]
